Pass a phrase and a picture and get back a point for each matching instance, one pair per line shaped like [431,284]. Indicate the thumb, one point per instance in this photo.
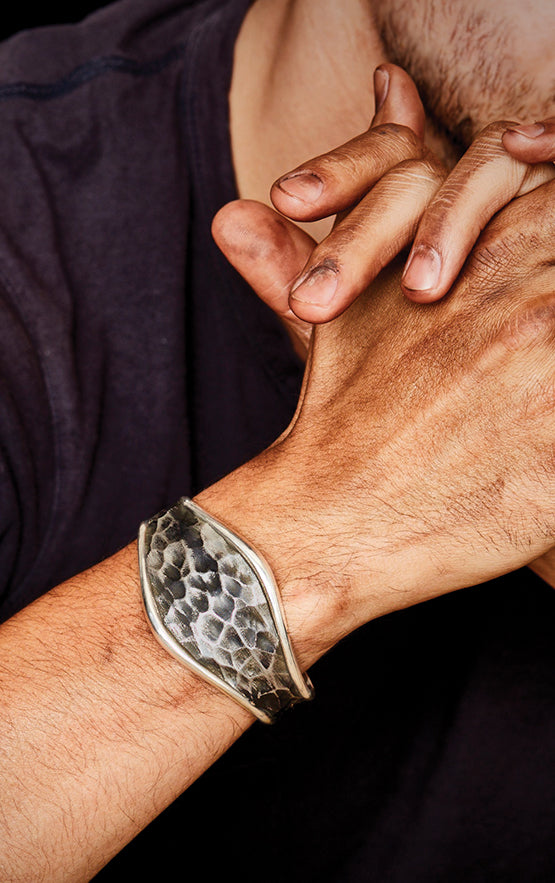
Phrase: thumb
[269,251]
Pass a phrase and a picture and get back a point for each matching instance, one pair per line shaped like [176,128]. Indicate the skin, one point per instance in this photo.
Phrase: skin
[437,498]
[427,38]
[421,35]
[494,60]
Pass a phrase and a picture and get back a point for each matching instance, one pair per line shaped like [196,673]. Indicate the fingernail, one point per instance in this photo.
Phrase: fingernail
[423,269]
[318,288]
[305,186]
[534,130]
[381,87]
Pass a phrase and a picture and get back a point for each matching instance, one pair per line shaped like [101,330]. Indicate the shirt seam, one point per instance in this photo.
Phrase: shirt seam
[91,70]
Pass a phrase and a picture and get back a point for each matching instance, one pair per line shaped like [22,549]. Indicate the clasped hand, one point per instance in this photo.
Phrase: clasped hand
[423,443]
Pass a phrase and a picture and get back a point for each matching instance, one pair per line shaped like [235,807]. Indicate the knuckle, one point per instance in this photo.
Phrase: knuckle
[344,160]
[401,136]
[440,218]
[487,145]
[370,154]
[331,250]
[436,226]
[530,326]
[492,261]
[516,243]
[494,131]
[422,169]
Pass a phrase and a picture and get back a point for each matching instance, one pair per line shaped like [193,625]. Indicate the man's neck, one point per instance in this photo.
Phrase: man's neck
[302,84]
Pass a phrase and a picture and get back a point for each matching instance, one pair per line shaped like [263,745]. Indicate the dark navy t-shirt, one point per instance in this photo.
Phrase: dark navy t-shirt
[136,366]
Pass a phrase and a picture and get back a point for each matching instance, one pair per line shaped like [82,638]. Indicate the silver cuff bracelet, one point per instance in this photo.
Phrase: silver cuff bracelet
[213,603]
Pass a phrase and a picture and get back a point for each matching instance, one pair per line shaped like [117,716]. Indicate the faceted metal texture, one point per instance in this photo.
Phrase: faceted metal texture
[212,602]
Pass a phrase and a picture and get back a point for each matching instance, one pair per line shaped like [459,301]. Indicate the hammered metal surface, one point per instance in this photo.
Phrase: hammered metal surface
[212,602]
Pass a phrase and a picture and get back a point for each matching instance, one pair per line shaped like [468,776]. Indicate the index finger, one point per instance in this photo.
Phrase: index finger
[335,181]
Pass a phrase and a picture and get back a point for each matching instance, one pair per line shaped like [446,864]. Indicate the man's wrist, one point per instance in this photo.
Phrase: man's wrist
[255,502]
[261,502]
[335,569]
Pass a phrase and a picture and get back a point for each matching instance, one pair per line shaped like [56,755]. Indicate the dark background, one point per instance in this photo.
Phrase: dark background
[47,12]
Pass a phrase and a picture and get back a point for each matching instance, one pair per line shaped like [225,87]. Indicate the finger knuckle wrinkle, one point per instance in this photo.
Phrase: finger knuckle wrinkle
[329,253]
[495,258]
[399,135]
[494,131]
[487,146]
[419,170]
[449,196]
[486,262]
[343,163]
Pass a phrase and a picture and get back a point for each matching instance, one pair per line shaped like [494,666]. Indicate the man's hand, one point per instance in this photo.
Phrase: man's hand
[403,195]
[402,192]
[398,193]
[423,448]
[274,254]
[421,457]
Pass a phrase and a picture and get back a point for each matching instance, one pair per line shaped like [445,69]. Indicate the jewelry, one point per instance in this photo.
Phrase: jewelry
[212,601]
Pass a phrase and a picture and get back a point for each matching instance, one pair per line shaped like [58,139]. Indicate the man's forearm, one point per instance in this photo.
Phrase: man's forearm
[101,728]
